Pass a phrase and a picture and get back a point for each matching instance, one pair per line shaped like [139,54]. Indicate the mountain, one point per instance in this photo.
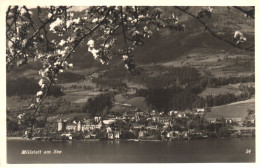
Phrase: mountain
[168,45]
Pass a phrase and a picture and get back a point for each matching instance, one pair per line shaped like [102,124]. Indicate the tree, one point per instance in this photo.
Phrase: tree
[52,34]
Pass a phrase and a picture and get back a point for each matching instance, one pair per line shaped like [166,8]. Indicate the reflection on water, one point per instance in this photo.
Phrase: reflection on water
[196,151]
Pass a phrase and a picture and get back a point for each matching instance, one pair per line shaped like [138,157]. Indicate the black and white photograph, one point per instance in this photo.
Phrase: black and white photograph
[129,84]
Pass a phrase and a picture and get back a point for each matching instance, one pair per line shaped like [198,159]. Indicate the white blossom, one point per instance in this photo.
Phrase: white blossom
[90,43]
[32,106]
[56,23]
[210,9]
[125,57]
[39,93]
[70,39]
[141,17]
[24,42]
[94,20]
[61,52]
[22,11]
[126,66]
[145,28]
[41,82]
[42,86]
[102,61]
[239,37]
[135,33]
[129,18]
[38,100]
[107,46]
[238,34]
[68,23]
[94,52]
[57,63]
[9,44]
[76,20]
[134,21]
[62,42]
[71,14]
[49,15]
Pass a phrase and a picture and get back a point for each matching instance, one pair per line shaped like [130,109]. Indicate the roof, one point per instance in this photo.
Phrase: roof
[107,122]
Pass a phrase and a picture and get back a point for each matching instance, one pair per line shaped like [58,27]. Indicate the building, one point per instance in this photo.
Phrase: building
[110,135]
[113,135]
[117,135]
[129,115]
[142,134]
[166,121]
[71,127]
[97,119]
[138,126]
[61,125]
[90,126]
[86,125]
[152,127]
[156,118]
[79,126]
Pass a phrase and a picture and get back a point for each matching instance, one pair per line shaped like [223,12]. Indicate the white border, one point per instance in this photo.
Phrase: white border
[6,3]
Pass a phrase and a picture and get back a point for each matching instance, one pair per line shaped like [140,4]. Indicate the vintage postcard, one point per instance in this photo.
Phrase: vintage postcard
[129,83]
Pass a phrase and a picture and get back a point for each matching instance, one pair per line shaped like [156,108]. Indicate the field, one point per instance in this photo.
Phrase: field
[233,110]
[80,96]
[218,63]
[232,89]
[16,102]
[138,102]
[119,98]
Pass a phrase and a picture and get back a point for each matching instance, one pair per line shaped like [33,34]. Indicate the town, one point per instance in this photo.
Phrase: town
[143,126]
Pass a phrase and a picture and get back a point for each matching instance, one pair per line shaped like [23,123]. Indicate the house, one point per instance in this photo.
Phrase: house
[166,120]
[153,113]
[129,115]
[109,129]
[152,127]
[90,126]
[116,135]
[109,121]
[113,135]
[138,126]
[170,134]
[71,127]
[61,125]
[170,113]
[201,110]
[212,120]
[97,119]
[161,113]
[69,135]
[142,134]
[110,135]
[181,115]
[185,134]
[156,118]
[79,126]
[138,114]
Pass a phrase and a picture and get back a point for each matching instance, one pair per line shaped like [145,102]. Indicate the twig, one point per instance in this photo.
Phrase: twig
[212,33]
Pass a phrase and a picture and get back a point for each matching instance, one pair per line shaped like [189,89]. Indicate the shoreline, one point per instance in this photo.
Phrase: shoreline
[130,140]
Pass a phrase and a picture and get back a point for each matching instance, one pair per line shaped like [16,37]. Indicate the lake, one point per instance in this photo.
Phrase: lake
[195,151]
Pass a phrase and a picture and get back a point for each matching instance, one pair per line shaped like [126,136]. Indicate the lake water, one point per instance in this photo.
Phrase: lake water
[195,151]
